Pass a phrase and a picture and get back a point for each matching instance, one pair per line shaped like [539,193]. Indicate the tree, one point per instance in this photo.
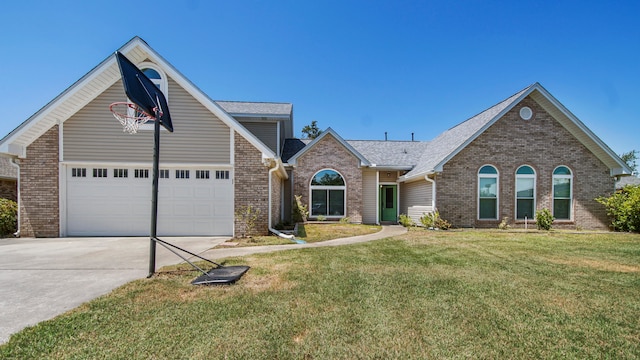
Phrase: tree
[630,159]
[312,131]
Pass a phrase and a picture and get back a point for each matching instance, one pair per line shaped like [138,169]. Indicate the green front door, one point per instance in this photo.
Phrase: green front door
[389,203]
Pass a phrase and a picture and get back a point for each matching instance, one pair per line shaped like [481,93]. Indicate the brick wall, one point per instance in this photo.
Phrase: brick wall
[330,154]
[251,186]
[276,196]
[39,190]
[510,142]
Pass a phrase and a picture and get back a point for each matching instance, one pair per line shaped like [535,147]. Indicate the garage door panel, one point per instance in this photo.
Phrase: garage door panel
[121,206]
[203,210]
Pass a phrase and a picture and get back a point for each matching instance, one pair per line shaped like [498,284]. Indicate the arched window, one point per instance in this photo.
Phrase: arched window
[158,77]
[327,194]
[525,192]
[488,193]
[562,193]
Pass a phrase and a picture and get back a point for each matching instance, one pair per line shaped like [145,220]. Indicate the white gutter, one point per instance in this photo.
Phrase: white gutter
[271,229]
[433,191]
[13,163]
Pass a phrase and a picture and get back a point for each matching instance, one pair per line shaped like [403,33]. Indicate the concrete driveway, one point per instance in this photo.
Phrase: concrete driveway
[42,278]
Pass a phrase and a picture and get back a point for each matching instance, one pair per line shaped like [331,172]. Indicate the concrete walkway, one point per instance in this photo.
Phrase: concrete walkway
[387,231]
[43,278]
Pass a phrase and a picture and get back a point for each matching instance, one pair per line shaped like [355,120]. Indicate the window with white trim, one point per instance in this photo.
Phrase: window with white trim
[562,193]
[182,174]
[120,173]
[202,174]
[141,173]
[99,173]
[525,192]
[488,193]
[327,194]
[164,174]
[78,172]
[222,174]
[159,78]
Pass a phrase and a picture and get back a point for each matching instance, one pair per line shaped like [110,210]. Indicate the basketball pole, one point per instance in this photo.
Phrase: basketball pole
[154,194]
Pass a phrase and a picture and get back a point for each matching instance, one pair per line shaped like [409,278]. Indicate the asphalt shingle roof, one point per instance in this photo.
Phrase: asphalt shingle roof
[291,147]
[255,108]
[451,140]
[627,180]
[7,171]
[390,153]
[419,156]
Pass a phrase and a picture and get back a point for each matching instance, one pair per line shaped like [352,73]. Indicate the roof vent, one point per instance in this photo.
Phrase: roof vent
[526,113]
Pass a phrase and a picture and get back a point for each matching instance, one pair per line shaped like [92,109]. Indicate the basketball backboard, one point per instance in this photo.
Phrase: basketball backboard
[143,92]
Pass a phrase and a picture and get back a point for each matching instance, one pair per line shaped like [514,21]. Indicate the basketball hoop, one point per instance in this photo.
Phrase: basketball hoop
[130,115]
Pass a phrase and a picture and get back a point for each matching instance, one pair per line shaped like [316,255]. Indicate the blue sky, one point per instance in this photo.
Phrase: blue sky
[361,67]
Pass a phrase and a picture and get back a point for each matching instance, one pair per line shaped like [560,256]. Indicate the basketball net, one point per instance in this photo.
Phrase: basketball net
[130,116]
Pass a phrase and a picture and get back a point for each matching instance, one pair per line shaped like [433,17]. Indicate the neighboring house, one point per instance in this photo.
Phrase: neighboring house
[80,175]
[627,180]
[8,179]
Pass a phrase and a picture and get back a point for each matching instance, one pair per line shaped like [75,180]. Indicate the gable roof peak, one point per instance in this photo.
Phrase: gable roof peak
[329,132]
[451,142]
[98,80]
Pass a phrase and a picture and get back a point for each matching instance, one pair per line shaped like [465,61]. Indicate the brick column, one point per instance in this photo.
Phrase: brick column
[251,186]
[39,188]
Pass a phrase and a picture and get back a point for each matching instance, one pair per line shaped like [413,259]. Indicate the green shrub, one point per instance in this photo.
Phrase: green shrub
[544,219]
[434,221]
[427,221]
[8,217]
[345,220]
[623,207]
[405,220]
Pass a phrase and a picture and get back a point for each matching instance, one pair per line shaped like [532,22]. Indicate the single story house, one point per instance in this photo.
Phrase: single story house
[80,175]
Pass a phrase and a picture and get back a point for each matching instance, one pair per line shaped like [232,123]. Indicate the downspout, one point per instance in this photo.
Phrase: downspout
[271,229]
[433,191]
[13,163]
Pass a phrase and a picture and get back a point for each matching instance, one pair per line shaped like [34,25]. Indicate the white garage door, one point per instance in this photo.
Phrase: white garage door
[116,201]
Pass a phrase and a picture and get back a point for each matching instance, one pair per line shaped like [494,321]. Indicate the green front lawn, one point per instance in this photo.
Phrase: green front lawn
[426,294]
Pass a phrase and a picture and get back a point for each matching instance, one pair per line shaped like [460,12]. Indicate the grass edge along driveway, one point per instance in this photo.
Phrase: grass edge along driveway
[426,294]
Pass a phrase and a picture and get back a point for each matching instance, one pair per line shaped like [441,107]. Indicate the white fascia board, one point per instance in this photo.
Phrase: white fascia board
[619,171]
[45,116]
[405,178]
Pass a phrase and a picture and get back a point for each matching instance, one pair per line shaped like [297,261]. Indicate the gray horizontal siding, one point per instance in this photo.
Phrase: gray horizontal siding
[415,199]
[93,134]
[267,132]
[369,197]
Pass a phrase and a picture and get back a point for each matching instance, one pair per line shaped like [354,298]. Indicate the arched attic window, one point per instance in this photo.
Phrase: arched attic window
[328,192]
[159,78]
[156,75]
